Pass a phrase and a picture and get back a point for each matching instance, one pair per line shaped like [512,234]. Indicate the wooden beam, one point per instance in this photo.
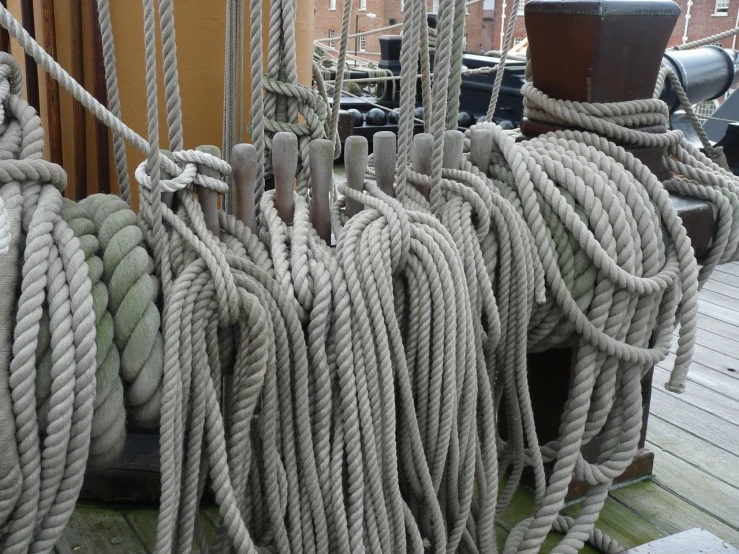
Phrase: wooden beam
[32,93]
[54,122]
[101,95]
[78,110]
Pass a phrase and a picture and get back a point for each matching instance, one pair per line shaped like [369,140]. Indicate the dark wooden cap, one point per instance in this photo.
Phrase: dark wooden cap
[590,51]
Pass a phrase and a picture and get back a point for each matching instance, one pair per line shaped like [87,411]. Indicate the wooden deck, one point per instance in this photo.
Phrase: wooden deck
[695,438]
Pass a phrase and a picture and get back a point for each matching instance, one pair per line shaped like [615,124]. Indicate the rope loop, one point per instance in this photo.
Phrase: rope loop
[310,105]
[188,175]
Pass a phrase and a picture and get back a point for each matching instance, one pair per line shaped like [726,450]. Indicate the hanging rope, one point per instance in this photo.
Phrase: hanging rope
[346,399]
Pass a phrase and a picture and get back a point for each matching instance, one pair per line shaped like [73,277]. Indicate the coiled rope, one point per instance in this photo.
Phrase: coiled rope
[366,382]
[52,450]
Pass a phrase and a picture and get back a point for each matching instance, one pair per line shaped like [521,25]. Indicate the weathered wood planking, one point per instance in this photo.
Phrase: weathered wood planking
[726,348]
[699,453]
[731,269]
[725,290]
[722,276]
[713,496]
[721,380]
[716,326]
[627,528]
[708,305]
[687,542]
[144,521]
[702,397]
[696,421]
[669,512]
[93,530]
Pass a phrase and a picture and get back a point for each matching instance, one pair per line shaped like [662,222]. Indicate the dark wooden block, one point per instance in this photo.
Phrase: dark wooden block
[132,478]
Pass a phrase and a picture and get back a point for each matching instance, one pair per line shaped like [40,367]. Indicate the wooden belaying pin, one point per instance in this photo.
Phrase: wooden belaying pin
[284,166]
[244,160]
[355,162]
[481,148]
[386,155]
[421,151]
[453,149]
[167,197]
[321,177]
[209,198]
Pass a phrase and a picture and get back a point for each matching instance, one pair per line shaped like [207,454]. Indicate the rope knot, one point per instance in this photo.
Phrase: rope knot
[310,105]
[395,214]
[185,177]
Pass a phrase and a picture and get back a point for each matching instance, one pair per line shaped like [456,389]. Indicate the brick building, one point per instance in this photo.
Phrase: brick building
[698,19]
[373,14]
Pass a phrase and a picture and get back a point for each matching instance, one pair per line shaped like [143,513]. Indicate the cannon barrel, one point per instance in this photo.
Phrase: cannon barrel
[705,73]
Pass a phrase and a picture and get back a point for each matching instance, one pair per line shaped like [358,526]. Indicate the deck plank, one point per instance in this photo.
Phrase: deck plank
[718,287]
[144,520]
[724,346]
[713,496]
[723,350]
[700,423]
[628,528]
[702,397]
[695,451]
[669,512]
[723,382]
[709,305]
[94,530]
[731,269]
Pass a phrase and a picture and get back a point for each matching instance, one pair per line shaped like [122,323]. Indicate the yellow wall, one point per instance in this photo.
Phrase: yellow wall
[200,48]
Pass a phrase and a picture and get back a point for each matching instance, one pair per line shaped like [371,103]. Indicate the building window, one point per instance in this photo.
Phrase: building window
[362,43]
[522,5]
[517,41]
[331,34]
[722,7]
[331,5]
[363,5]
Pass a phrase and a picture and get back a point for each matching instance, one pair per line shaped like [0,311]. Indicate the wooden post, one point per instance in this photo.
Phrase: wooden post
[48,24]
[384,146]
[321,179]
[244,160]
[29,24]
[592,51]
[355,162]
[285,164]
[481,148]
[453,149]
[100,91]
[4,36]
[167,197]
[209,198]
[598,51]
[421,150]
[78,110]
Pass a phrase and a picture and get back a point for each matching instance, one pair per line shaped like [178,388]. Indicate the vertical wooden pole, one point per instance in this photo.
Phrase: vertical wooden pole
[53,108]
[4,36]
[209,198]
[384,147]
[355,162]
[32,93]
[481,148]
[321,177]
[285,164]
[78,110]
[244,164]
[101,95]
[421,150]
